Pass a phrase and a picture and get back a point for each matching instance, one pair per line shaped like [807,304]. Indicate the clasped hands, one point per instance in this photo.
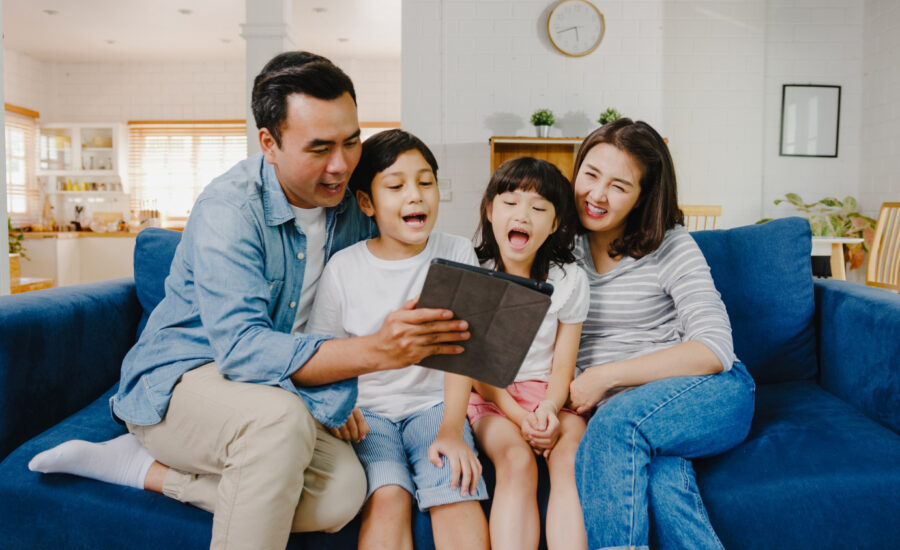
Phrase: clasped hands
[540,428]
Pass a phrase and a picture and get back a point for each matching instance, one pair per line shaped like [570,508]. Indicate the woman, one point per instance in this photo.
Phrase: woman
[656,356]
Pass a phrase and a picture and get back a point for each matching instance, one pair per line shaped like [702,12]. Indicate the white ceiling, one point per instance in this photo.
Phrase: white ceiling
[155,30]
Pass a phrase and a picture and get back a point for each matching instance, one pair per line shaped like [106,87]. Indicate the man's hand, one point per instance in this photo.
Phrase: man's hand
[354,430]
[465,469]
[541,428]
[409,335]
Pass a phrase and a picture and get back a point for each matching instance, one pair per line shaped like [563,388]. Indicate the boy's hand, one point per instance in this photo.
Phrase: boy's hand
[355,429]
[409,335]
[541,428]
[465,469]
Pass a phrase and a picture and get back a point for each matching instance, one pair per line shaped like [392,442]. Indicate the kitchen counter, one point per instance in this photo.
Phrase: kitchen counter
[75,234]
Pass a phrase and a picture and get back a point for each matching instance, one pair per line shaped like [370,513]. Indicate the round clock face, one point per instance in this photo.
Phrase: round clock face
[575,27]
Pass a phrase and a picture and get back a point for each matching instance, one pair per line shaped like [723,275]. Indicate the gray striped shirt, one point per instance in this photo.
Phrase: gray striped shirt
[653,303]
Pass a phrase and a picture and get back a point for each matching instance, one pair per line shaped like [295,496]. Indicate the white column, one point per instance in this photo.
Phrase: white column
[267,33]
[4,258]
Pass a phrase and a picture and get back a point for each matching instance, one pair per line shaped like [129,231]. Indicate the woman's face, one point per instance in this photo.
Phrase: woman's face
[607,188]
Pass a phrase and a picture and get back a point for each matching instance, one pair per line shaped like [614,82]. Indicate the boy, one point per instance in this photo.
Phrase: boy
[415,416]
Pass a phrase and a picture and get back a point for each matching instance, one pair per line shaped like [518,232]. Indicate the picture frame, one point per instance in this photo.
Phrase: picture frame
[810,120]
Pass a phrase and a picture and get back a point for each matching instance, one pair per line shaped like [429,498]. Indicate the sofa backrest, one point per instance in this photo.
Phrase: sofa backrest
[762,271]
[764,274]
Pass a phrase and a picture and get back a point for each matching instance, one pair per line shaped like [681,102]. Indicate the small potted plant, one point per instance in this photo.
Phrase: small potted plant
[543,119]
[609,115]
[16,249]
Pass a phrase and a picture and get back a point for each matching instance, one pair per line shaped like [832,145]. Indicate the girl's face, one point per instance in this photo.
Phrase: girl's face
[521,221]
[607,188]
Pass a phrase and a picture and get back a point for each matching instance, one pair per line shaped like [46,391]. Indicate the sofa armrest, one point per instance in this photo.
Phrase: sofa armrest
[60,349]
[859,347]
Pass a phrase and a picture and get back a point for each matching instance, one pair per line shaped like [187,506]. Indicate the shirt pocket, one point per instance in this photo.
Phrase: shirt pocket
[275,286]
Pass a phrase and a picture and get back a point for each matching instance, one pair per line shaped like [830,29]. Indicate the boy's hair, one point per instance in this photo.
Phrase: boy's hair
[294,73]
[380,151]
[656,210]
[531,174]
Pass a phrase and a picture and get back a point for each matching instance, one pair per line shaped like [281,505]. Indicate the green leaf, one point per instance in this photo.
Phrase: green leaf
[794,199]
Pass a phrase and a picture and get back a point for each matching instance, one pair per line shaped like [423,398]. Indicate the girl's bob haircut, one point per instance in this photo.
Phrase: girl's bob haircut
[657,209]
[531,174]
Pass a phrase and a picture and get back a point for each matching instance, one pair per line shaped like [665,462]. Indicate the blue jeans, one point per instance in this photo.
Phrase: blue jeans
[631,467]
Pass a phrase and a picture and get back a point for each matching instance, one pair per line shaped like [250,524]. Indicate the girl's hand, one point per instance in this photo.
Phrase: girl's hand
[465,469]
[541,428]
[355,429]
[588,389]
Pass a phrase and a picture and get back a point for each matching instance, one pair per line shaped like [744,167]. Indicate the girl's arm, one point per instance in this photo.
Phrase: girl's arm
[503,400]
[464,464]
[565,352]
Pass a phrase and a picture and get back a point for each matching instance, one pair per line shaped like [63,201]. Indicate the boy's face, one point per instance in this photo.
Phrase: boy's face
[404,202]
[320,147]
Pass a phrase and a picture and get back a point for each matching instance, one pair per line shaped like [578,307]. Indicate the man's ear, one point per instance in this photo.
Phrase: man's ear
[365,203]
[268,145]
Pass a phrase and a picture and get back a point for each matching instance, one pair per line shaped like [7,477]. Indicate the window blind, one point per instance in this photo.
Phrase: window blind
[23,198]
[169,163]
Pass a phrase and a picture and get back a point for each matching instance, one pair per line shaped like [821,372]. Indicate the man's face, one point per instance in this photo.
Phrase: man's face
[320,147]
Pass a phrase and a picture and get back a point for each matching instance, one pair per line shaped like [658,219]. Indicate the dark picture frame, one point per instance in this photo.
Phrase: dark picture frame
[810,120]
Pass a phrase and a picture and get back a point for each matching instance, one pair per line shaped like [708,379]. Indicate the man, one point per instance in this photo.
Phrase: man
[239,405]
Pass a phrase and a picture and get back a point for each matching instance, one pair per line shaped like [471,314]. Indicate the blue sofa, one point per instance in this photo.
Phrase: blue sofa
[820,468]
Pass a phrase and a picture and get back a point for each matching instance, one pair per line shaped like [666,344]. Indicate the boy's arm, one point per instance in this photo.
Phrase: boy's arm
[464,464]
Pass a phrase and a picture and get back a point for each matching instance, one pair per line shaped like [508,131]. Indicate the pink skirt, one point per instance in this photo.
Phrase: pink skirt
[528,395]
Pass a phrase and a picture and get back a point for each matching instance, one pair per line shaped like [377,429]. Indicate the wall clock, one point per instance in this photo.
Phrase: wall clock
[575,27]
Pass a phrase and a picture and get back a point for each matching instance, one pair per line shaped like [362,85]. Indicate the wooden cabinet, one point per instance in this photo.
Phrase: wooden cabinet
[559,151]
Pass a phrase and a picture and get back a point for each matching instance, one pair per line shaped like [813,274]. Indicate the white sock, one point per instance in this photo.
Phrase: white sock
[123,460]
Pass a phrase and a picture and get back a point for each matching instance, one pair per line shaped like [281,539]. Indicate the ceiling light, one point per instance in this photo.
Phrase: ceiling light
[320,10]
[51,12]
[110,41]
[343,40]
[185,11]
[225,40]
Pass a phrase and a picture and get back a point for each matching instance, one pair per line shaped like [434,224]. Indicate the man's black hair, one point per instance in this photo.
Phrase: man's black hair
[294,73]
[380,151]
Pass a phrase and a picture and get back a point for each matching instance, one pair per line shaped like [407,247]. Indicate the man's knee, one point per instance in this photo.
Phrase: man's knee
[332,499]
[279,421]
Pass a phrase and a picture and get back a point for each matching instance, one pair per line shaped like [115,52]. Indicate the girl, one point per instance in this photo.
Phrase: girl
[527,229]
[658,328]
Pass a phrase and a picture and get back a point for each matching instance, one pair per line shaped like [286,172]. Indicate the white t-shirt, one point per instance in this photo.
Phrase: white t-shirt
[568,304]
[311,221]
[357,291]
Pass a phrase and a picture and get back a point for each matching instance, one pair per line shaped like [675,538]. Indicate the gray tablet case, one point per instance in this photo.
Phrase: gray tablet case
[503,318]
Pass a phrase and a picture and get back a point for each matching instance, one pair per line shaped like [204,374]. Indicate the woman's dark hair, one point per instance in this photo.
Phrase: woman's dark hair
[294,73]
[531,174]
[380,151]
[656,210]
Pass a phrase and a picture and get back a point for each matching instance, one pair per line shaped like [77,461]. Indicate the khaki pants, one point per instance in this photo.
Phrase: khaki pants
[254,457]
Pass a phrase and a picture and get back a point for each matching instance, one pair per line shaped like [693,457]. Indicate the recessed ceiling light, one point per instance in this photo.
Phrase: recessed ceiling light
[343,40]
[225,40]
[110,41]
[185,11]
[320,10]
[51,12]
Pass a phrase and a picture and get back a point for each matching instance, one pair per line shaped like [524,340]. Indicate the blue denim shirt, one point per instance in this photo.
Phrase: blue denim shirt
[231,298]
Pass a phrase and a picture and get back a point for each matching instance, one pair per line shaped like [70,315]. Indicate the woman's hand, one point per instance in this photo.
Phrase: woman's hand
[465,469]
[354,430]
[589,388]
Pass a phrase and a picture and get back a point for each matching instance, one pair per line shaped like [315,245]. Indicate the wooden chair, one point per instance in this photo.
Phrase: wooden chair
[697,217]
[883,269]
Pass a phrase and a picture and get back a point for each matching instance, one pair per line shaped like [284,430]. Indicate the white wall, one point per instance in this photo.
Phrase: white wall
[706,74]
[118,92]
[813,42]
[880,181]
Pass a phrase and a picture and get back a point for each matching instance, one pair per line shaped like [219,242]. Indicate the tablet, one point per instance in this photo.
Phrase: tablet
[504,313]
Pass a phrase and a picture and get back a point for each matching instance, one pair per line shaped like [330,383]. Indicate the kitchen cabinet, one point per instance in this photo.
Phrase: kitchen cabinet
[70,258]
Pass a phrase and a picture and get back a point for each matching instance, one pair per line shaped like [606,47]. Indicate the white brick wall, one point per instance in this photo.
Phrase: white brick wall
[26,81]
[880,180]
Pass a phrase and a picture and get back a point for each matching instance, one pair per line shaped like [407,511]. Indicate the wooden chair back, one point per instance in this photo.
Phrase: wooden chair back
[883,269]
[699,217]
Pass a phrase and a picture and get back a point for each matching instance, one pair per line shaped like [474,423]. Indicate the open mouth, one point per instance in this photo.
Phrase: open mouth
[594,211]
[332,186]
[415,220]
[517,239]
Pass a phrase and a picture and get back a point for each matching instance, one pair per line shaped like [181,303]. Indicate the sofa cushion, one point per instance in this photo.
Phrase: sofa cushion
[765,277]
[813,473]
[154,249]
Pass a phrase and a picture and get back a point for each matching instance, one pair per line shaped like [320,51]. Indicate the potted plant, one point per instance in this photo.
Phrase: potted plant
[830,217]
[543,119]
[609,115]
[16,249]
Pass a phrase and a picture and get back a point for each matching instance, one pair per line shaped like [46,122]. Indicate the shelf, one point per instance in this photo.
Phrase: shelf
[78,173]
[86,192]
[97,149]
[538,140]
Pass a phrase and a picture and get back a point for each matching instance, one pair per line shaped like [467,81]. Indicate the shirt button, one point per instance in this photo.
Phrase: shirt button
[293,305]
[300,256]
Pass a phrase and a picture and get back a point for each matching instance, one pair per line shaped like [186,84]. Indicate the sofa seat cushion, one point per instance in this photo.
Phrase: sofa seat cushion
[813,473]
[764,275]
[65,511]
